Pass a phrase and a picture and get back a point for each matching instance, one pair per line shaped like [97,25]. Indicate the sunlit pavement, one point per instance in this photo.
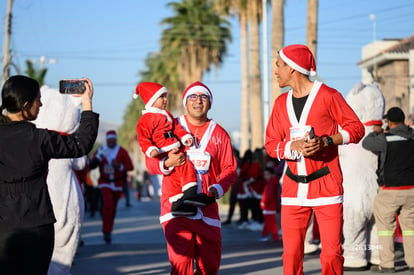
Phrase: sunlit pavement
[138,247]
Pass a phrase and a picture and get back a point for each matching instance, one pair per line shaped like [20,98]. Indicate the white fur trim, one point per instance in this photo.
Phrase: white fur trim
[157,94]
[218,188]
[175,198]
[163,170]
[149,150]
[199,89]
[111,136]
[110,185]
[295,66]
[168,148]
[186,137]
[269,212]
[188,186]
[345,136]
[313,202]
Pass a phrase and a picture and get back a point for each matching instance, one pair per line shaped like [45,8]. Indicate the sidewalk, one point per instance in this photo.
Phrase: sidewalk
[138,247]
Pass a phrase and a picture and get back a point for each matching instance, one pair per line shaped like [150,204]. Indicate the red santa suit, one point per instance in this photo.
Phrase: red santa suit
[197,237]
[111,179]
[270,204]
[324,110]
[157,130]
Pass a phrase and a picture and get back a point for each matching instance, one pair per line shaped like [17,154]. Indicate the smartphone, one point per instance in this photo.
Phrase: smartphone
[72,86]
[311,134]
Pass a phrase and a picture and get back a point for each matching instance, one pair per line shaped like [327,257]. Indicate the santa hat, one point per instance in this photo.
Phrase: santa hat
[111,134]
[149,92]
[197,87]
[300,58]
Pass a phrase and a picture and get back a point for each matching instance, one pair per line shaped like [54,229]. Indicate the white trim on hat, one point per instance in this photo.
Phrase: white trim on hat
[198,88]
[157,94]
[111,136]
[295,66]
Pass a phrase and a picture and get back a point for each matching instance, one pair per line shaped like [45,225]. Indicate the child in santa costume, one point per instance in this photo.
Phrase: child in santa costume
[158,133]
[304,130]
[270,204]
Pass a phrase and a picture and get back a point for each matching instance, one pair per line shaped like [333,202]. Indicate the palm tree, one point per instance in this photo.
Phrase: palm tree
[239,7]
[38,74]
[200,35]
[254,14]
[278,37]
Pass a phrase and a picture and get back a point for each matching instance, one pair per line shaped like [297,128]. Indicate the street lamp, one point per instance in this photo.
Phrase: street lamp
[373,19]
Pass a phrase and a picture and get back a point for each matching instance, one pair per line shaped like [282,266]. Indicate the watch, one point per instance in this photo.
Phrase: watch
[329,141]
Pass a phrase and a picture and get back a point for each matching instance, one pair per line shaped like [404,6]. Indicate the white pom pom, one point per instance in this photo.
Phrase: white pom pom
[135,96]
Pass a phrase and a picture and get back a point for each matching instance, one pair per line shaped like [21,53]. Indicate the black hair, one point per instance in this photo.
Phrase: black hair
[16,91]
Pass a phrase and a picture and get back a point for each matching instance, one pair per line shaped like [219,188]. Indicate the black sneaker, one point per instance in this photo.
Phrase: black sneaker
[200,200]
[380,269]
[179,209]
[107,237]
[359,268]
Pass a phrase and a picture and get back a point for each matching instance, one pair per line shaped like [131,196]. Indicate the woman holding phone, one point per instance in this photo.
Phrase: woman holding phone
[26,214]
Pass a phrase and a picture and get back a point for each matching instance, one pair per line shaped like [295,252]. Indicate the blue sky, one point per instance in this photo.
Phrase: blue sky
[108,42]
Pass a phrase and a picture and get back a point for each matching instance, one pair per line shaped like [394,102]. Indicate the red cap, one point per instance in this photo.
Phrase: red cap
[110,134]
[197,87]
[149,92]
[300,58]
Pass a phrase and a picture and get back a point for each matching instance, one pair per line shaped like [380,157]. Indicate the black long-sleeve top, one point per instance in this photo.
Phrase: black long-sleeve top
[24,155]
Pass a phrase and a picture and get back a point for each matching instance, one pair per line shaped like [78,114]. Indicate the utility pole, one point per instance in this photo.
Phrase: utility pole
[265,66]
[6,51]
[312,28]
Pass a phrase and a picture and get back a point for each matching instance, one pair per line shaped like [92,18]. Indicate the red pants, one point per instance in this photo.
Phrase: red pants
[110,200]
[270,226]
[295,221]
[189,240]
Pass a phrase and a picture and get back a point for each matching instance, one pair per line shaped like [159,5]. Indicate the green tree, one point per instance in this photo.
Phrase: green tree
[38,74]
[199,34]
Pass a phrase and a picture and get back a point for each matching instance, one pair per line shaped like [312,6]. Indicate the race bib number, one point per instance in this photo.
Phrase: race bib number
[108,169]
[200,161]
[299,132]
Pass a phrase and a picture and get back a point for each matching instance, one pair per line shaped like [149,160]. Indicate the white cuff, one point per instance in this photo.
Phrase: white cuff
[218,188]
[163,170]
[345,136]
[149,150]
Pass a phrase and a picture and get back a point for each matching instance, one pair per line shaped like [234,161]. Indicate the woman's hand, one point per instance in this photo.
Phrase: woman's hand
[87,95]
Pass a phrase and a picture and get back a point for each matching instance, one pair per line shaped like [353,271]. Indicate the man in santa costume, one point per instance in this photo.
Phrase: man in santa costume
[197,238]
[157,134]
[113,162]
[303,129]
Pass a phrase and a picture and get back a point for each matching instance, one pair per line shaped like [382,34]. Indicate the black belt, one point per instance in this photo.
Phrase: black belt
[170,135]
[114,180]
[305,179]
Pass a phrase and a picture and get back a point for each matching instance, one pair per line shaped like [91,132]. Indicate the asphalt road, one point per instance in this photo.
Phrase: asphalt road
[138,247]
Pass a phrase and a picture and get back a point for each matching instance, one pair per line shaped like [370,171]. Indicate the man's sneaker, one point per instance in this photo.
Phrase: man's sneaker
[243,225]
[199,200]
[179,209]
[107,237]
[380,269]
[263,239]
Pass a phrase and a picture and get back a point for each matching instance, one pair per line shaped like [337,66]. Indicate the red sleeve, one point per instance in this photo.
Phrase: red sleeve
[227,163]
[346,118]
[145,128]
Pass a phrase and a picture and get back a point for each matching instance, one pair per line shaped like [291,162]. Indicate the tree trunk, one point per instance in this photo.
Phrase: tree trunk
[277,41]
[256,85]
[312,28]
[245,118]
